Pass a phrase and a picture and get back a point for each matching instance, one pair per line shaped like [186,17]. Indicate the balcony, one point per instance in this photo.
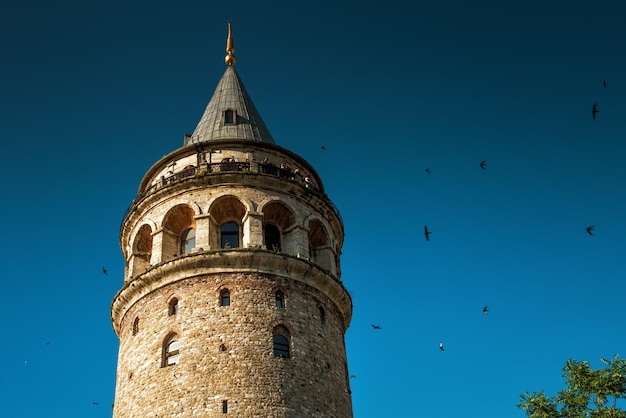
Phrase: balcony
[231,167]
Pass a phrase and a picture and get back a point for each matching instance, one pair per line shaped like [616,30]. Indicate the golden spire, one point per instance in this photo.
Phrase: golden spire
[230,47]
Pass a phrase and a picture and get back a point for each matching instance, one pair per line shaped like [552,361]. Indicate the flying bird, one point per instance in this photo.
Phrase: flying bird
[426,232]
[594,111]
[376,326]
[323,147]
[105,271]
[483,164]
[428,170]
[604,83]
[95,403]
[441,346]
[590,229]
[485,310]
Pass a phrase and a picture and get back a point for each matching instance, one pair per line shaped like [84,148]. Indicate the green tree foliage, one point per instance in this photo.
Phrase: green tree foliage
[588,393]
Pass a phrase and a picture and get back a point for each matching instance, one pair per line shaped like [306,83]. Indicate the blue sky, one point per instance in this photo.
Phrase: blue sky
[93,93]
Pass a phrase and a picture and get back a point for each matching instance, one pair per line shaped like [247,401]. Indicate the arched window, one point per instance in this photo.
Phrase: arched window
[230,235]
[322,315]
[272,237]
[136,326]
[225,298]
[171,352]
[281,342]
[188,241]
[173,307]
[280,299]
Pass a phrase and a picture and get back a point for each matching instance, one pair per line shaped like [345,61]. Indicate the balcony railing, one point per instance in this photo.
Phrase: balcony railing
[226,167]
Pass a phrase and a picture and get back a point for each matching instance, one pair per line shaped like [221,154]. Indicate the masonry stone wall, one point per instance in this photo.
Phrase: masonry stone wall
[227,364]
[227,352]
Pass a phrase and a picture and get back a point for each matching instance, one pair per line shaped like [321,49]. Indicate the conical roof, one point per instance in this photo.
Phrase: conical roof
[230,114]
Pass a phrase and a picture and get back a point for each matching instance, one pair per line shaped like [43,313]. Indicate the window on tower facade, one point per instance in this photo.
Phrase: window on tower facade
[229,117]
[188,241]
[281,342]
[171,354]
[272,237]
[136,326]
[230,235]
[280,299]
[322,315]
[225,298]
[173,307]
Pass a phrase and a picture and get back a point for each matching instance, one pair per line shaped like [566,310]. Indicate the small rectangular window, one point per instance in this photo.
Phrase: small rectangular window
[225,407]
[229,117]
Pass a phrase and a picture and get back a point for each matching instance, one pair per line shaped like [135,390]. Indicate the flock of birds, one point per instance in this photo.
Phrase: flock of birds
[483,165]
[441,346]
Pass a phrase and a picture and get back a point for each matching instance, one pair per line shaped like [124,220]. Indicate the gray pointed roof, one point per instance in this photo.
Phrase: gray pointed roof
[230,94]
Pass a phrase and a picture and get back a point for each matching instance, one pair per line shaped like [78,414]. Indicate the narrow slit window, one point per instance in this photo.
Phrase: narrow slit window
[173,307]
[224,407]
[136,326]
[280,299]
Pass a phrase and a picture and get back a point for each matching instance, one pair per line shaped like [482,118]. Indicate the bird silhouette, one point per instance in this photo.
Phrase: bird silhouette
[376,326]
[594,111]
[590,229]
[105,271]
[441,346]
[428,170]
[323,147]
[604,83]
[95,403]
[485,310]
[426,232]
[483,164]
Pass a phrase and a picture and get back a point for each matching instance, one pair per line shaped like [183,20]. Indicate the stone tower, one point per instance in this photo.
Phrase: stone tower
[232,302]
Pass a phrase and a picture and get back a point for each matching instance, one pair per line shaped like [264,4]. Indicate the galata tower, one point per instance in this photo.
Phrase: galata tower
[232,303]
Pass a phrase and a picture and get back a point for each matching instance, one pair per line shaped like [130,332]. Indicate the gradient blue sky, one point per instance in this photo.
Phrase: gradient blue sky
[94,92]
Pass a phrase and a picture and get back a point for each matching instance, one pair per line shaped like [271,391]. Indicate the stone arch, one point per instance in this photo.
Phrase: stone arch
[217,207]
[320,250]
[283,323]
[278,222]
[177,223]
[140,250]
[227,216]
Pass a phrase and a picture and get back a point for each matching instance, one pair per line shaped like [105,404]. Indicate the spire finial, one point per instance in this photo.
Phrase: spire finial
[230,47]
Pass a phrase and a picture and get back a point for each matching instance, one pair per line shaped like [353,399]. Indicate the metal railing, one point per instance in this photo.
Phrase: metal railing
[226,167]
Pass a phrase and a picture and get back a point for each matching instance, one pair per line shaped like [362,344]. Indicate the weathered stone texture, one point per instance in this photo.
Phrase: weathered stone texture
[227,352]
[286,236]
[311,383]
